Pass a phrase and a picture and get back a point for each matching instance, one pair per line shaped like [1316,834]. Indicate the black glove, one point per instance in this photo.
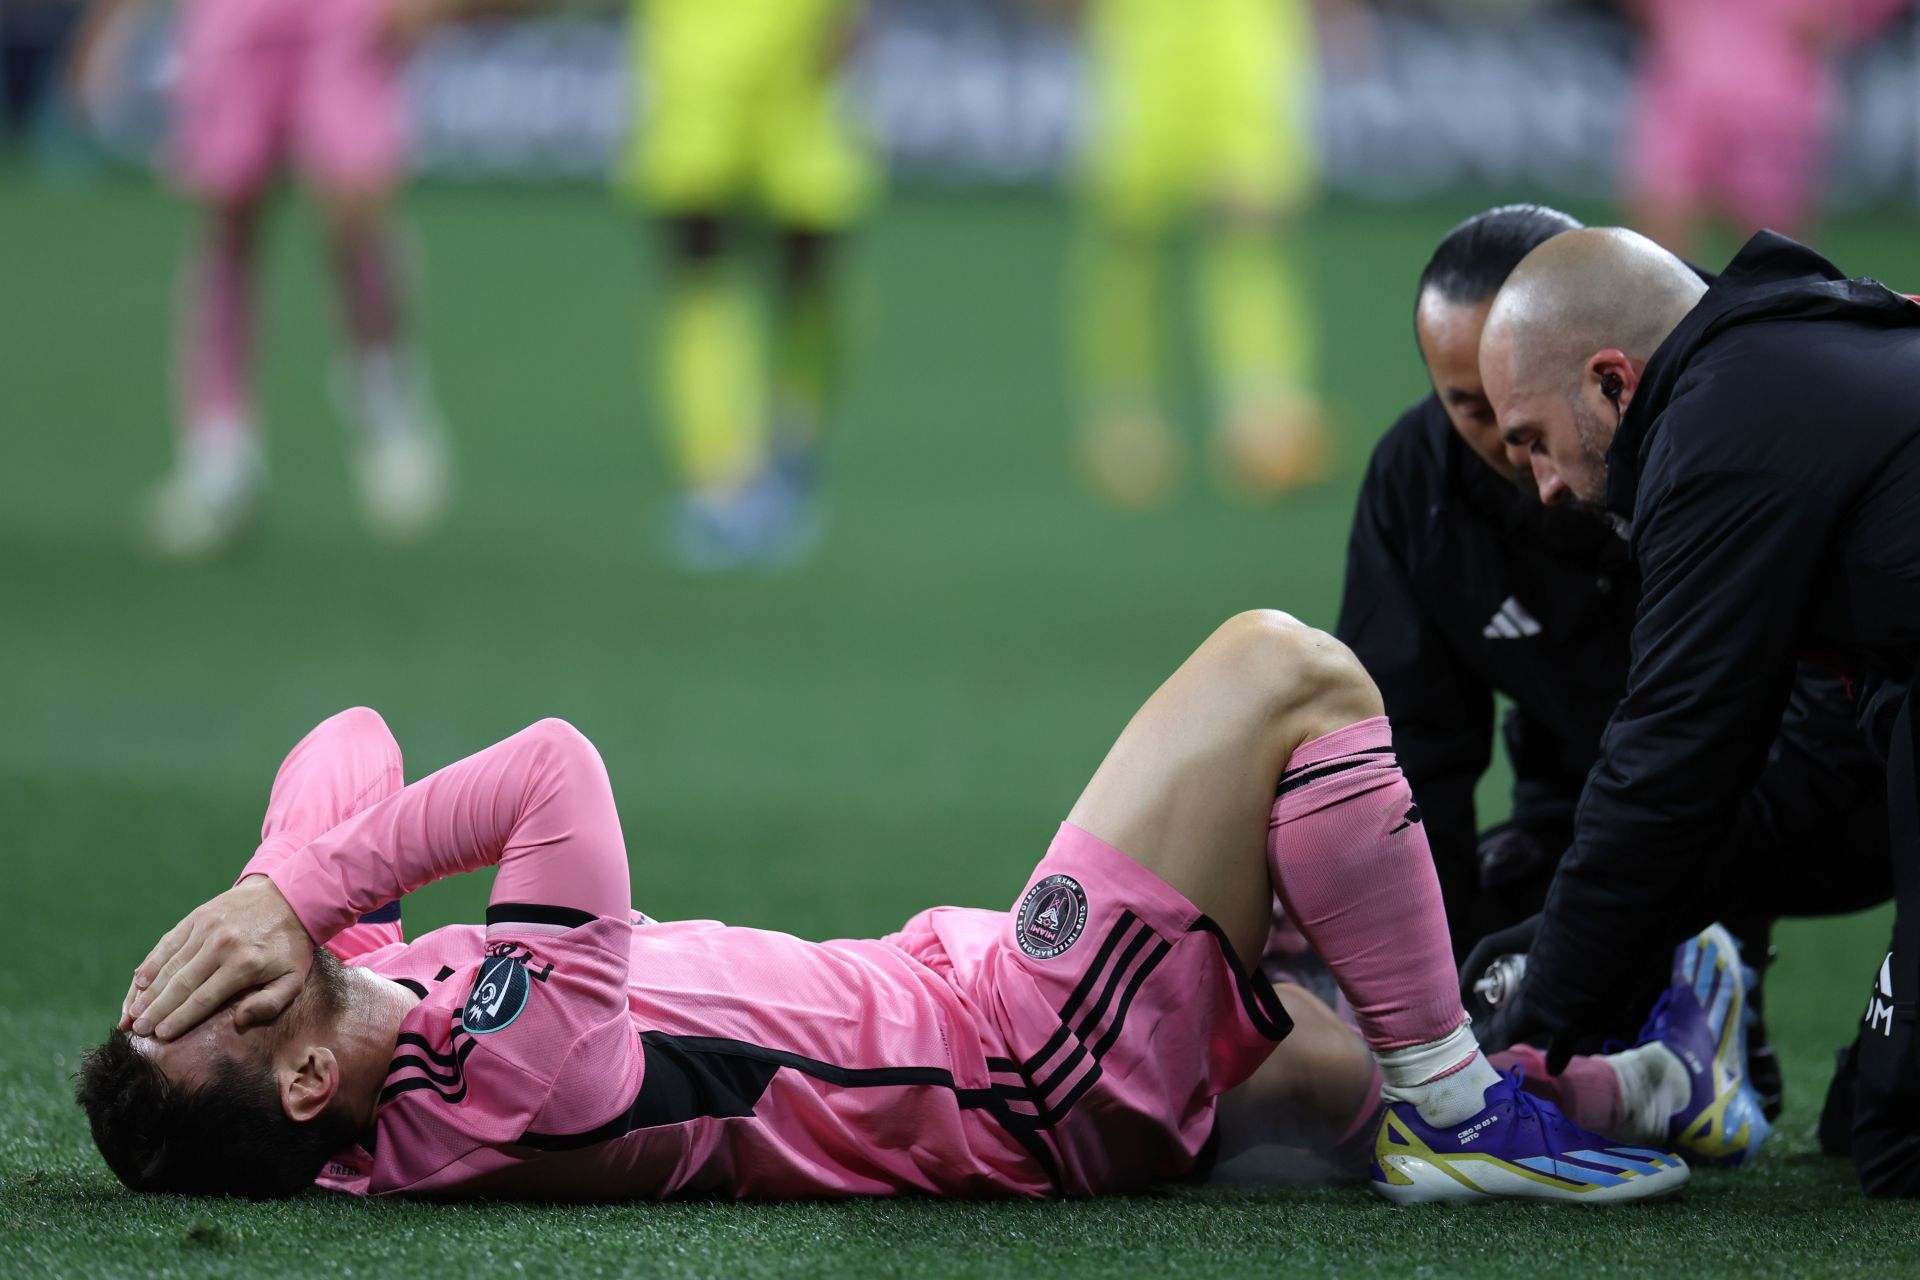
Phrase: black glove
[1508,853]
[1514,940]
[1516,1022]
[1518,1019]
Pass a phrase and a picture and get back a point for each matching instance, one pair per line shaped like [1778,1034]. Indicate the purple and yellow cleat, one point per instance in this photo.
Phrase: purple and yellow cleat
[1701,1018]
[1518,1148]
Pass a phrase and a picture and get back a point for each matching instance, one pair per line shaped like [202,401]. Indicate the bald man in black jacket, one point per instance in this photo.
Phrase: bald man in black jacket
[1760,442]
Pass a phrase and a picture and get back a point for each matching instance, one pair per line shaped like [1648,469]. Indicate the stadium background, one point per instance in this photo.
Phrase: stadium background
[901,721]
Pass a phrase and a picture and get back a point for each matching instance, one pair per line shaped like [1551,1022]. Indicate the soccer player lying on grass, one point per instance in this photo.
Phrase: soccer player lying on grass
[1079,1043]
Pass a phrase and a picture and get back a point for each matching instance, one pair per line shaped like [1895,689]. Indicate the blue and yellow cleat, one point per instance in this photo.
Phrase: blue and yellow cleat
[1519,1148]
[1701,1018]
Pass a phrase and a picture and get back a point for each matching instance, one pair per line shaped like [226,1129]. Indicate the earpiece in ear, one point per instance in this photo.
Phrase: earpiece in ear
[1611,386]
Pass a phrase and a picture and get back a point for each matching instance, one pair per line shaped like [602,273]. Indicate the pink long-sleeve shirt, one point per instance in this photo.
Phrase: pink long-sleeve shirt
[572,1048]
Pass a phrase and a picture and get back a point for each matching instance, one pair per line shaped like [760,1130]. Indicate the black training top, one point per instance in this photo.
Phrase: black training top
[1460,586]
[1769,467]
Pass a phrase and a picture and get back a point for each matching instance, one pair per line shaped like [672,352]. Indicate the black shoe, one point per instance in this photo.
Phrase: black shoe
[1763,1064]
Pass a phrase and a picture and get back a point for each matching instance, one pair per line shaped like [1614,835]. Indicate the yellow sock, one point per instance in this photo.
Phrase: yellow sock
[807,358]
[1259,321]
[711,381]
[1116,325]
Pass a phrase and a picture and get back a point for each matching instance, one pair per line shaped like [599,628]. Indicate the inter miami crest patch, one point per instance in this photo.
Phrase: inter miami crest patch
[500,993]
[1051,917]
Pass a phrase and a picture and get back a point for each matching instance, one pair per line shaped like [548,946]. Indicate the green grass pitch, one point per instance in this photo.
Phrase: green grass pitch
[899,724]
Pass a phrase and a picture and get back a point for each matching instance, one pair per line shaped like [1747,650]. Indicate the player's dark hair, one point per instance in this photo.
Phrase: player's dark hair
[1477,256]
[227,1135]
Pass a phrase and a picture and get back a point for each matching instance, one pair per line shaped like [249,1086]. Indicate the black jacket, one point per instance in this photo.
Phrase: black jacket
[1769,464]
[1459,586]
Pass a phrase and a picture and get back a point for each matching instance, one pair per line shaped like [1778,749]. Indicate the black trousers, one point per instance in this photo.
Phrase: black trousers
[1875,1099]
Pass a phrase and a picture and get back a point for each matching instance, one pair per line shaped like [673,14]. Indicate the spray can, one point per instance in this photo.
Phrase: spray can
[1502,978]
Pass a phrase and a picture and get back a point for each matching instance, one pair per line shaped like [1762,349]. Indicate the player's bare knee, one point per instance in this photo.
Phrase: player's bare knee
[1305,682]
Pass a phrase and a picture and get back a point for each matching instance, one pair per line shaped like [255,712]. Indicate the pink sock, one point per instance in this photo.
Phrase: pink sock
[1588,1091]
[369,290]
[217,328]
[1349,859]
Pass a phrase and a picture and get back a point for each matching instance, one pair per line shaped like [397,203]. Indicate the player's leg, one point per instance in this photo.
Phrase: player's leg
[1133,191]
[711,390]
[231,101]
[1318,1094]
[686,165]
[1683,1085]
[1257,317]
[807,339]
[1188,787]
[816,179]
[1269,705]
[351,135]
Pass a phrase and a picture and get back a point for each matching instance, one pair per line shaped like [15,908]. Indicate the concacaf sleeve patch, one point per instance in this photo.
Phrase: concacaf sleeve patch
[500,994]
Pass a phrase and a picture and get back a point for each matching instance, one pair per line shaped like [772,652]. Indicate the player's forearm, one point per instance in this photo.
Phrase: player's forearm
[537,805]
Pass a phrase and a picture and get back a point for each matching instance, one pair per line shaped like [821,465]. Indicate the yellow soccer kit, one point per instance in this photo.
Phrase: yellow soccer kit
[737,108]
[1199,100]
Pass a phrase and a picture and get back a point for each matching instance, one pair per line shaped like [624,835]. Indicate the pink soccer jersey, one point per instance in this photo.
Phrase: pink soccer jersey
[572,1048]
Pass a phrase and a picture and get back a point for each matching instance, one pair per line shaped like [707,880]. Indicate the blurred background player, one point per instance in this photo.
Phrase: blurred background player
[263,83]
[740,115]
[1199,107]
[1736,102]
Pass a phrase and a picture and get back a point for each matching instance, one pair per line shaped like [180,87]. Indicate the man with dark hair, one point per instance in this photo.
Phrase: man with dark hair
[224,1126]
[1760,440]
[1461,584]
[1076,1044]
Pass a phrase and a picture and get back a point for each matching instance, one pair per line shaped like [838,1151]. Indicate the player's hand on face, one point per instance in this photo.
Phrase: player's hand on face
[246,940]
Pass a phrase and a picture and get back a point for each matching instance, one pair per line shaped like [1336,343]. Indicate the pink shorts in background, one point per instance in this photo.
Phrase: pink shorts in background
[266,82]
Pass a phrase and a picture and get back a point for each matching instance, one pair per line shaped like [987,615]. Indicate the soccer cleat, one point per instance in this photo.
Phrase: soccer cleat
[1701,1019]
[1272,447]
[797,521]
[404,483]
[1130,459]
[210,501]
[1518,1148]
[402,459]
